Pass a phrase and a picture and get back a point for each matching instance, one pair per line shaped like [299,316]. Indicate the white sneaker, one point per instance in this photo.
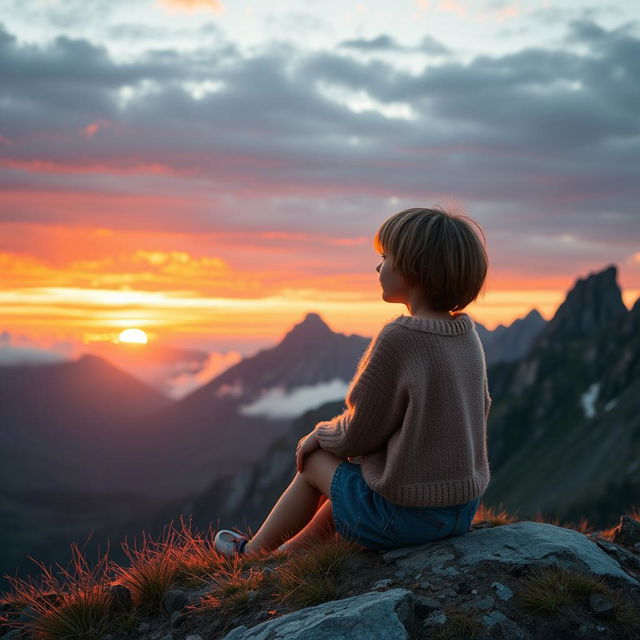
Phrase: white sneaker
[228,543]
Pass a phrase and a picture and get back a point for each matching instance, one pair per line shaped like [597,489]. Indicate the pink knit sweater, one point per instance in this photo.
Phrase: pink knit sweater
[417,412]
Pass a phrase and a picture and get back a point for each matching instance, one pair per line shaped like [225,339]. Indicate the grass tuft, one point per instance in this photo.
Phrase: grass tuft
[233,582]
[497,518]
[459,625]
[75,606]
[549,589]
[310,575]
[489,515]
[152,569]
[195,556]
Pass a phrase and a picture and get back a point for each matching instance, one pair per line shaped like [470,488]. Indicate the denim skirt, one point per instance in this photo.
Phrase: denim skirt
[365,517]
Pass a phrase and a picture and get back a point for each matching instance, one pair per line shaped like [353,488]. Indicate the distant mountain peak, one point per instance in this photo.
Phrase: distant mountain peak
[312,329]
[511,343]
[92,362]
[533,314]
[594,303]
[313,318]
[90,357]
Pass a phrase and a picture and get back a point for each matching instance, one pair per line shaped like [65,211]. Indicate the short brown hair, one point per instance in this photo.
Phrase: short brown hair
[438,251]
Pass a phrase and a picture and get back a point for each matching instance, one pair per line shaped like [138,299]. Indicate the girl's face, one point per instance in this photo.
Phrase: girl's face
[394,287]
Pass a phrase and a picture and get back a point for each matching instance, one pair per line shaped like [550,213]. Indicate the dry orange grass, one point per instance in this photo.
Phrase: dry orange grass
[232,585]
[152,568]
[583,526]
[489,515]
[195,556]
[634,514]
[74,606]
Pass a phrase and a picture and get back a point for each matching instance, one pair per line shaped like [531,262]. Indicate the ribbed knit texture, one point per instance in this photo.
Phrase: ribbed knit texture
[417,412]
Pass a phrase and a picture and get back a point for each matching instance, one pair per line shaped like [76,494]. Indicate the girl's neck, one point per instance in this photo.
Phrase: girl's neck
[433,315]
[422,311]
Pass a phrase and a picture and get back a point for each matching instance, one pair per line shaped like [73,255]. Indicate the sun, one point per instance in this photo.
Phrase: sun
[136,336]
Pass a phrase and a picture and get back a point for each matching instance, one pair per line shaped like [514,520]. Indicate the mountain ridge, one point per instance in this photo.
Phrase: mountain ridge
[564,425]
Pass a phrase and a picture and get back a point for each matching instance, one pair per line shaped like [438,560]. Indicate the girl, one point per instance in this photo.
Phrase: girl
[406,462]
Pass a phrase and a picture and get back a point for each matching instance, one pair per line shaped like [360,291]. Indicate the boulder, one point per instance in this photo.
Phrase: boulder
[370,616]
[521,543]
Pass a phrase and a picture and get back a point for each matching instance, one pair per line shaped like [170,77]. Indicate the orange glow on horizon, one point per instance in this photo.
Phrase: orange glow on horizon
[83,284]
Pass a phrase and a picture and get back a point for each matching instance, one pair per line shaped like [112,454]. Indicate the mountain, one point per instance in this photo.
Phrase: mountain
[564,428]
[593,304]
[63,426]
[58,418]
[507,344]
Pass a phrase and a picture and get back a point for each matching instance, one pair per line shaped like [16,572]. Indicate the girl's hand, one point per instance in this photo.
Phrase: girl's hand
[305,446]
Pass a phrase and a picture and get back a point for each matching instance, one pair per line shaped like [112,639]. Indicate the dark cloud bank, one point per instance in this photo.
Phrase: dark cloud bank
[550,134]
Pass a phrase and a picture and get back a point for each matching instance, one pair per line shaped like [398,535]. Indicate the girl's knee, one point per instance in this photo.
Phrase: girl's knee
[318,470]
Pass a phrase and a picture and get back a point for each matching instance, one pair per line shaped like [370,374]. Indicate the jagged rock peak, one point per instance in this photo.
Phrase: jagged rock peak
[594,303]
[311,329]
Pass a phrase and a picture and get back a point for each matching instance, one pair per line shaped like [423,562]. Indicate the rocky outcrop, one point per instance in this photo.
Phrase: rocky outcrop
[370,616]
[522,580]
[564,429]
[481,573]
[530,544]
[593,304]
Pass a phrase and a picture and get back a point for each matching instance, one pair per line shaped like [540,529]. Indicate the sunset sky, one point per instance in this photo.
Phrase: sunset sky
[210,172]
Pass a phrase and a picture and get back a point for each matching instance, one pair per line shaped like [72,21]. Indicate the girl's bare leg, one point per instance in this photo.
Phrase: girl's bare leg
[322,527]
[298,504]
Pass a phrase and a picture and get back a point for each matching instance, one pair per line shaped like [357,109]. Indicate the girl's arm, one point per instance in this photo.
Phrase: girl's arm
[376,404]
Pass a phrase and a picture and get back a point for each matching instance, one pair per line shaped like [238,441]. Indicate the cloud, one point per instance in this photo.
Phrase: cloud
[21,350]
[385,43]
[182,377]
[11,356]
[276,403]
[215,136]
[432,46]
[380,43]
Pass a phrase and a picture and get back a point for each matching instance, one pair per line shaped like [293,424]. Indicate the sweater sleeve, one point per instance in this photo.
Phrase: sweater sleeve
[376,404]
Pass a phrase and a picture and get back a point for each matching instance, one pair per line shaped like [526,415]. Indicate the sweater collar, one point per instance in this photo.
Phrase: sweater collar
[459,325]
